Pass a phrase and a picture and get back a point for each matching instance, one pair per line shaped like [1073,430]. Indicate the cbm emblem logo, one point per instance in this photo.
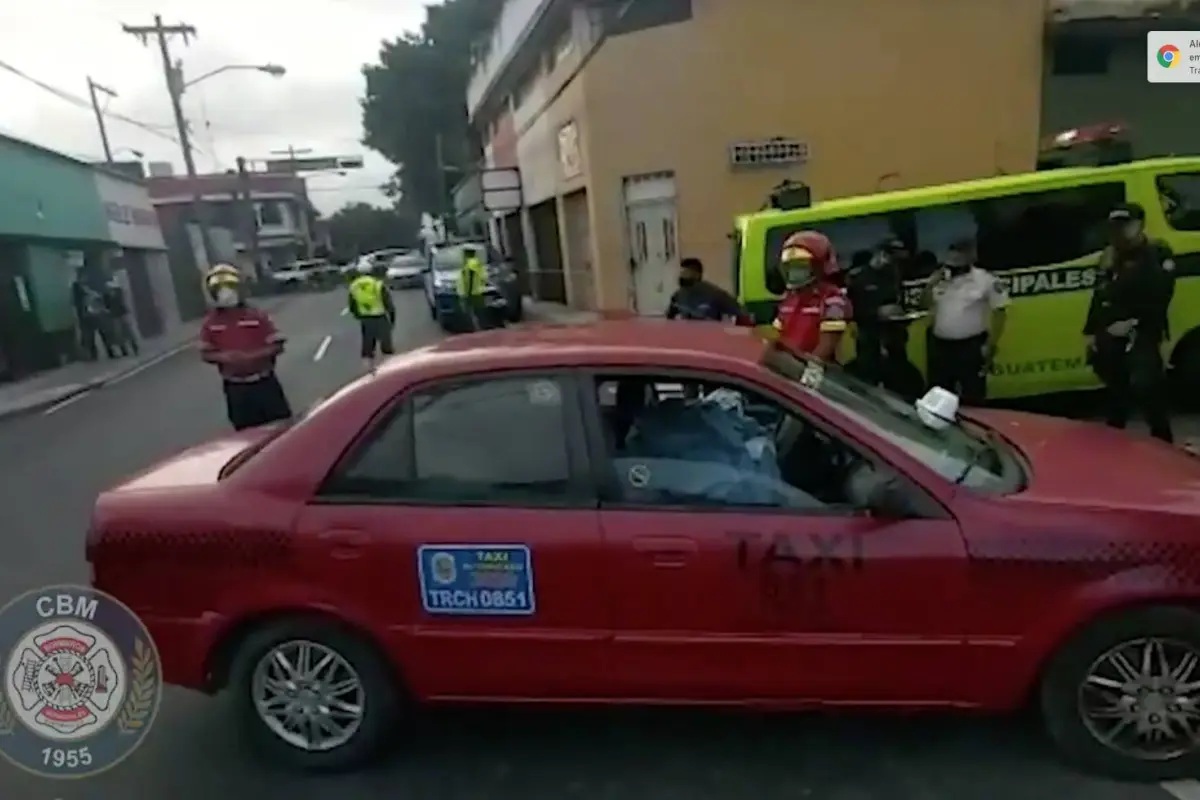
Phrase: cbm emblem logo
[80,681]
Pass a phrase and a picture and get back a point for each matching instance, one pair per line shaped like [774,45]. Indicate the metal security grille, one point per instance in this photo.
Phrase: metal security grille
[769,153]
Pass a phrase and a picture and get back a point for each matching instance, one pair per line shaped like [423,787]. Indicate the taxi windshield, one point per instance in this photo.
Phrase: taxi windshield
[961,452]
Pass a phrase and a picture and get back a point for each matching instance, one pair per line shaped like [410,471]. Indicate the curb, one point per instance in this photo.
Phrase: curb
[122,373]
[92,385]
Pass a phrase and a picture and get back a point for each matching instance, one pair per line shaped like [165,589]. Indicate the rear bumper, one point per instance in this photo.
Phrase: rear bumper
[405,281]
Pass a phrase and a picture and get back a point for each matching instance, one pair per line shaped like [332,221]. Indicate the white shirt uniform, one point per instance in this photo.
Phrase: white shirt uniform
[963,305]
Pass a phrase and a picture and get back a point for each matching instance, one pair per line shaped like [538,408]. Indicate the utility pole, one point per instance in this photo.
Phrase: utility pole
[93,90]
[302,206]
[445,205]
[249,218]
[175,87]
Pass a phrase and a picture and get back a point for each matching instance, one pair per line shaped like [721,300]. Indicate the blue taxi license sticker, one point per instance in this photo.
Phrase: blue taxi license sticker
[476,579]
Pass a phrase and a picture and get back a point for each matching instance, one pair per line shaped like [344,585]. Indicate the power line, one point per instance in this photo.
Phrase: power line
[80,103]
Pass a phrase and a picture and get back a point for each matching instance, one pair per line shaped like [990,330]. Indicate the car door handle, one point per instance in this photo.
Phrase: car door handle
[666,551]
[344,544]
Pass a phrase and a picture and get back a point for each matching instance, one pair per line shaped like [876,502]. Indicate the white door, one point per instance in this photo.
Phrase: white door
[655,258]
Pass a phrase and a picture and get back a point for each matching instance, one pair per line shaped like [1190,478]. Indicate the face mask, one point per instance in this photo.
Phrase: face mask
[799,276]
[687,280]
[226,297]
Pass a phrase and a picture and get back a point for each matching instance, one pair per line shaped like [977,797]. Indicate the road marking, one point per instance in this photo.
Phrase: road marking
[345,312]
[1184,790]
[158,359]
[61,404]
[317,356]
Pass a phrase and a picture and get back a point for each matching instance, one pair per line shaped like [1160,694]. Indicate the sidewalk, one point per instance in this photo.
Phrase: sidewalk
[557,313]
[46,389]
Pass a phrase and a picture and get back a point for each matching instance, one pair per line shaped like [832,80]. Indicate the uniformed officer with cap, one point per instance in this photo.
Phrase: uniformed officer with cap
[969,307]
[1127,322]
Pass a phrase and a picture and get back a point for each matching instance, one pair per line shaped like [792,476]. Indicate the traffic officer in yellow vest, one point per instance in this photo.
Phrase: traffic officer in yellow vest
[371,304]
[472,283]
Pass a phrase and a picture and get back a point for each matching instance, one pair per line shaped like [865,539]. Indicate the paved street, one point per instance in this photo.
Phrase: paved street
[56,463]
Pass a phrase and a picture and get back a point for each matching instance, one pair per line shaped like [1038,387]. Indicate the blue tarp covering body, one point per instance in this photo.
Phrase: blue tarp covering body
[704,450]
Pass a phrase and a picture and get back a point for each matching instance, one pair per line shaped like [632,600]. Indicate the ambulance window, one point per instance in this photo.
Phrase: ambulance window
[1039,229]
[937,228]
[1180,198]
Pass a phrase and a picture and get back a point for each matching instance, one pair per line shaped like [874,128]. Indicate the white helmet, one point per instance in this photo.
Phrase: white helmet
[364,266]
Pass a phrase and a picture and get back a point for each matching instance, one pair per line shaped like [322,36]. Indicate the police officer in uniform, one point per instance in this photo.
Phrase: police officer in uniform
[969,309]
[874,285]
[472,286]
[370,302]
[1127,322]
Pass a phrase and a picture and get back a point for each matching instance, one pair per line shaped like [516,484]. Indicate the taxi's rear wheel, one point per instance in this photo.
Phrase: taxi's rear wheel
[314,695]
[1122,697]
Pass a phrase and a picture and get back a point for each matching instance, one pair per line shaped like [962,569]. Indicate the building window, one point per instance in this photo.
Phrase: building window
[1180,197]
[525,88]
[270,213]
[562,49]
[1079,56]
[639,15]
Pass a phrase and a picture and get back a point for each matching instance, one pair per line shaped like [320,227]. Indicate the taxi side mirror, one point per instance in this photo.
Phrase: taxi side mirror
[888,499]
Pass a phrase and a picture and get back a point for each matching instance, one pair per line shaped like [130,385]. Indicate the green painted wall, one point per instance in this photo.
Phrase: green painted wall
[50,277]
[48,196]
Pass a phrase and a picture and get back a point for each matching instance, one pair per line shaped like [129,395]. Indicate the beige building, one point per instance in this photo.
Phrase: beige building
[639,129]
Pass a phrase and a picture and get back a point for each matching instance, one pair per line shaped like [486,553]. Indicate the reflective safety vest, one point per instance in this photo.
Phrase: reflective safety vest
[367,293]
[472,278]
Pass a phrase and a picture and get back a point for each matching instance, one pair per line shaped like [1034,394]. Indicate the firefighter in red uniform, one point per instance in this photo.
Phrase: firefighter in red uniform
[243,342]
[814,312]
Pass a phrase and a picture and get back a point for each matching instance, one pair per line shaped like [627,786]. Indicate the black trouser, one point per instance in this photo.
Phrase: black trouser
[474,312]
[123,336]
[91,327]
[881,358]
[959,366]
[1133,377]
[257,403]
[377,335]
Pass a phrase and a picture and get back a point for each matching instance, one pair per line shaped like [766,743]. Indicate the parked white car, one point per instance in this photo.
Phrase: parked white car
[406,271]
[311,274]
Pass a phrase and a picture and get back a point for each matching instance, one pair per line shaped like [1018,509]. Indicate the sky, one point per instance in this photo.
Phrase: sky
[322,44]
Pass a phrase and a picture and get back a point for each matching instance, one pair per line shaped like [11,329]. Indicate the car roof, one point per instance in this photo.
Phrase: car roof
[632,342]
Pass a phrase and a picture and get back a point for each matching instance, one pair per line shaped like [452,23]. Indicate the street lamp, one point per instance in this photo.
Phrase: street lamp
[176,86]
[274,70]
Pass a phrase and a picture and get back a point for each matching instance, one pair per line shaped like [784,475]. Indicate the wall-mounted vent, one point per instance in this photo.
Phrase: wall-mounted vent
[768,153]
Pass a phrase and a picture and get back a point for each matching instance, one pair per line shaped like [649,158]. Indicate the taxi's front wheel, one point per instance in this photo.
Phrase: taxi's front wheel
[1122,696]
[314,695]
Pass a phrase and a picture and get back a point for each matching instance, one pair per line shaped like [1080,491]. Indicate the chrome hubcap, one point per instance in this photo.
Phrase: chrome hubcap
[1142,699]
[308,695]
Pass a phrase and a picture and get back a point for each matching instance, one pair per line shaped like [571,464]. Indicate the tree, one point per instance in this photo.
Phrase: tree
[363,228]
[416,94]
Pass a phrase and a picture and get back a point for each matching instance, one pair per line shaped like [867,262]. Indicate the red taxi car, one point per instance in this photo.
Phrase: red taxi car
[473,525]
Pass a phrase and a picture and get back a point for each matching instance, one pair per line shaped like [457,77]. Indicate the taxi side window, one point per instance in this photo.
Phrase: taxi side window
[685,443]
[1180,198]
[492,442]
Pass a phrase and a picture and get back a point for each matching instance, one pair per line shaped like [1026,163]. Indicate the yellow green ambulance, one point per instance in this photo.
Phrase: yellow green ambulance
[1041,233]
